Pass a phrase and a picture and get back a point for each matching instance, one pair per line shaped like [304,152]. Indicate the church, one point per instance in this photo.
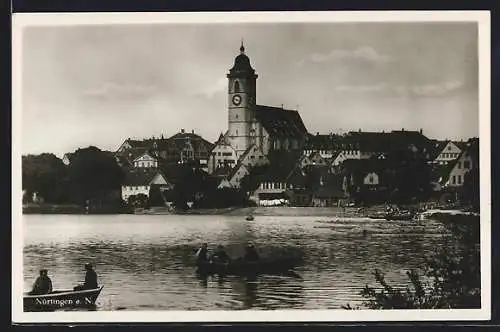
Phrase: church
[254,131]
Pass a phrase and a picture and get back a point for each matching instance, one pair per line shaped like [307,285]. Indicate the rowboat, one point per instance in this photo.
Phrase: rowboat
[404,216]
[249,217]
[243,268]
[61,299]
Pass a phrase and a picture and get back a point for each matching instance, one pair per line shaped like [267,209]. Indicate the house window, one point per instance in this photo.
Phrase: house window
[236,132]
[449,147]
[453,179]
[459,165]
[370,179]
[459,178]
[236,86]
[466,164]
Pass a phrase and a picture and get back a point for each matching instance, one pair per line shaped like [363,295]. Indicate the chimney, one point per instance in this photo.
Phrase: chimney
[182,131]
[421,131]
[317,133]
[402,129]
[192,131]
[359,129]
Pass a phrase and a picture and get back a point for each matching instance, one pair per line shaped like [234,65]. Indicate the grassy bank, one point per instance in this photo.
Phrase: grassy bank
[52,209]
[67,209]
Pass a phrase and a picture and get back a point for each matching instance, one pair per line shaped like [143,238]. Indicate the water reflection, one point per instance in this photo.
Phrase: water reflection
[146,262]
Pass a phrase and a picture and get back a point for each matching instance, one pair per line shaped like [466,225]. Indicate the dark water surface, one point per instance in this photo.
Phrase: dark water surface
[146,262]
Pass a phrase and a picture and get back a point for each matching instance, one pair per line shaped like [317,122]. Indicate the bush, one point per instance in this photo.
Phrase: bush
[451,278]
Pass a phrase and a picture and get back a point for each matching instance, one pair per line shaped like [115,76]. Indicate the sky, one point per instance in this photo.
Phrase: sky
[99,85]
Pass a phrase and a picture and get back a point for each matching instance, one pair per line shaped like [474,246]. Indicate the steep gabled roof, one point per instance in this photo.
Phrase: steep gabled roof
[137,143]
[436,148]
[146,153]
[280,122]
[441,173]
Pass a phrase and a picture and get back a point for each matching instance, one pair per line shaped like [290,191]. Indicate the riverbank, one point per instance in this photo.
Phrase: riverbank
[348,212]
[67,209]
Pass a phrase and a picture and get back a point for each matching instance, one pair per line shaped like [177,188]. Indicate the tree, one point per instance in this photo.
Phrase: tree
[156,197]
[44,174]
[471,188]
[138,201]
[93,174]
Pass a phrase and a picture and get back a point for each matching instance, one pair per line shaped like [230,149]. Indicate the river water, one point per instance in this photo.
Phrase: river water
[145,262]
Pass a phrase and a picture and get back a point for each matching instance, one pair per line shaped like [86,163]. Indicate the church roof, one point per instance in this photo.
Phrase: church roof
[280,122]
[242,65]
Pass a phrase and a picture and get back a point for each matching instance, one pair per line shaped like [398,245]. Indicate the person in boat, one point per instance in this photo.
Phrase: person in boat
[251,254]
[42,285]
[90,279]
[202,254]
[220,255]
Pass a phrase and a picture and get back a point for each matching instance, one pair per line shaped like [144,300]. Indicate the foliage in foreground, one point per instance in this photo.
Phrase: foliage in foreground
[451,277]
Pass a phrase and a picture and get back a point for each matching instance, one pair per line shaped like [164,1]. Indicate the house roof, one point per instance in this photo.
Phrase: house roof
[436,148]
[141,177]
[280,122]
[280,167]
[366,165]
[138,143]
[173,144]
[385,142]
[182,139]
[441,173]
[143,154]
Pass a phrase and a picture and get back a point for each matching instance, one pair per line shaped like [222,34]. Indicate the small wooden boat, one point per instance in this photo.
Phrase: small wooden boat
[249,217]
[243,268]
[61,299]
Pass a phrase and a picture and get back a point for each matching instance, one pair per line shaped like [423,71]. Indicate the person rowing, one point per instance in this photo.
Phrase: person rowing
[202,254]
[251,254]
[42,285]
[90,279]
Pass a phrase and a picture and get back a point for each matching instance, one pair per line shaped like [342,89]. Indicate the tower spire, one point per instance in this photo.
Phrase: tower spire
[242,47]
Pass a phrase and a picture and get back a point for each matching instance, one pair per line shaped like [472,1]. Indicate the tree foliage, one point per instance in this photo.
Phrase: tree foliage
[46,175]
[470,189]
[138,201]
[92,174]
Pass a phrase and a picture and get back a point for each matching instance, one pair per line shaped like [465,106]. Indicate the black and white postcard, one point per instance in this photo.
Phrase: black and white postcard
[271,166]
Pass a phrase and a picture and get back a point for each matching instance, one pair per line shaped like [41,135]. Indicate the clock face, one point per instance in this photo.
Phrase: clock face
[236,100]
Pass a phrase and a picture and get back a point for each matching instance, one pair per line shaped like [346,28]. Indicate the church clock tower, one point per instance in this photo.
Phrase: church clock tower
[241,101]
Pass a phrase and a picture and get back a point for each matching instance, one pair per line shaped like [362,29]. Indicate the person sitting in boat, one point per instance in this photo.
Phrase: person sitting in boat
[251,254]
[202,254]
[42,285]
[90,279]
[220,255]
